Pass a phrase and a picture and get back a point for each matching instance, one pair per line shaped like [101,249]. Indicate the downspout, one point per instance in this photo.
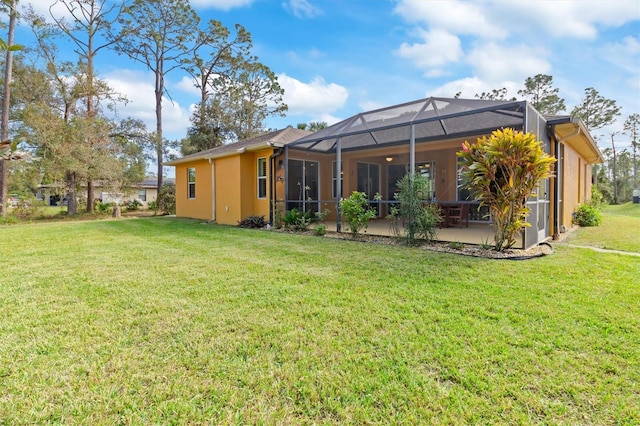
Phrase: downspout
[213,190]
[272,186]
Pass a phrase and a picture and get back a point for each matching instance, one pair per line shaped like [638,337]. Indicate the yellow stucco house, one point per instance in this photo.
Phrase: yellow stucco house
[371,151]
[230,182]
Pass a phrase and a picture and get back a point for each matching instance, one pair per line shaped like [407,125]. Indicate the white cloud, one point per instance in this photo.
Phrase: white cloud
[314,98]
[219,4]
[495,19]
[138,87]
[371,105]
[458,17]
[188,85]
[329,119]
[471,86]
[301,9]
[566,18]
[495,63]
[438,49]
[45,8]
[625,54]
[468,87]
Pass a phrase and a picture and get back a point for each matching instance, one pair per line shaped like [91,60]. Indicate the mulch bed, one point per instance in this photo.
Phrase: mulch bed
[540,250]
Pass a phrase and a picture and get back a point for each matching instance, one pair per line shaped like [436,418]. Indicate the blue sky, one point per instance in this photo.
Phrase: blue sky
[335,58]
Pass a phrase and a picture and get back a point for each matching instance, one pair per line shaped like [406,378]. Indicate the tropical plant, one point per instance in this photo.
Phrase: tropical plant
[421,219]
[502,171]
[252,222]
[298,220]
[356,212]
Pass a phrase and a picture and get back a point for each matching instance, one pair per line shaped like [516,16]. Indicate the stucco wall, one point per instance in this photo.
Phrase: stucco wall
[228,206]
[200,206]
[576,183]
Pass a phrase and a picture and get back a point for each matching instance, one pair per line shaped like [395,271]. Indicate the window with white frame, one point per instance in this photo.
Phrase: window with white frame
[191,182]
[262,177]
[142,195]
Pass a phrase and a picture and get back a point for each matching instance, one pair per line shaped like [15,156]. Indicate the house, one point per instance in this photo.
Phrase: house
[145,191]
[372,150]
[230,182]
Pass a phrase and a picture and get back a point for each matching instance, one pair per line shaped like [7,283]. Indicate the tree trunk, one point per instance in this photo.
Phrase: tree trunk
[4,124]
[90,196]
[72,203]
[4,187]
[615,173]
[159,142]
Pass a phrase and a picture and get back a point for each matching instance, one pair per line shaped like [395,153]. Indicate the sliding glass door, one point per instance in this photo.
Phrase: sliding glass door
[303,185]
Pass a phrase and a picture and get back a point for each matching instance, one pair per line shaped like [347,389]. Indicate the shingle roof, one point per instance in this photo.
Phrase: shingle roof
[277,137]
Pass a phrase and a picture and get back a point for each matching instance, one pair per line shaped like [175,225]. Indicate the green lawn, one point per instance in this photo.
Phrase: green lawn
[620,230]
[168,321]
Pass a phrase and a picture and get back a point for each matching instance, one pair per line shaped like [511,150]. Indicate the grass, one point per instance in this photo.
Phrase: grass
[620,230]
[162,320]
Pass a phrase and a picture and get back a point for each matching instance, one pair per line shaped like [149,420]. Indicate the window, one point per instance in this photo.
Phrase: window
[142,195]
[191,182]
[334,180]
[428,170]
[262,177]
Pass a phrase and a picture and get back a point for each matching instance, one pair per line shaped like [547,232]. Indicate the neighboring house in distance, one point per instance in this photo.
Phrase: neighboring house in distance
[145,192]
[372,151]
[230,182]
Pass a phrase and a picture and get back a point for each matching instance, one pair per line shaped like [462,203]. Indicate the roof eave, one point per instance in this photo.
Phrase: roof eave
[588,148]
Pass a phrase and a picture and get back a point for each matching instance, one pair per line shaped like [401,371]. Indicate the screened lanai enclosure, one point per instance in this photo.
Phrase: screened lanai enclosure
[371,151]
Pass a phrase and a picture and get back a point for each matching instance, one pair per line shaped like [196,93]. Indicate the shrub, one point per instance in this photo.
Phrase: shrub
[298,220]
[501,171]
[252,222]
[28,209]
[394,219]
[167,199]
[587,215]
[152,205]
[421,220]
[103,207]
[597,198]
[356,211]
[320,230]
[133,205]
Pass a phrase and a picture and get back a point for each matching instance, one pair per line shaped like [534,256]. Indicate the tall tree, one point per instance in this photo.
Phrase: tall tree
[158,34]
[495,95]
[253,97]
[595,110]
[631,127]
[90,30]
[218,55]
[543,96]
[9,47]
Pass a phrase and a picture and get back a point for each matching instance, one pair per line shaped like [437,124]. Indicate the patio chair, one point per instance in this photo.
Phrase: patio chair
[457,215]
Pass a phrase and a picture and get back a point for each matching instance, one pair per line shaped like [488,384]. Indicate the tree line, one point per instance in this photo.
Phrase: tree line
[65,115]
[616,179]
